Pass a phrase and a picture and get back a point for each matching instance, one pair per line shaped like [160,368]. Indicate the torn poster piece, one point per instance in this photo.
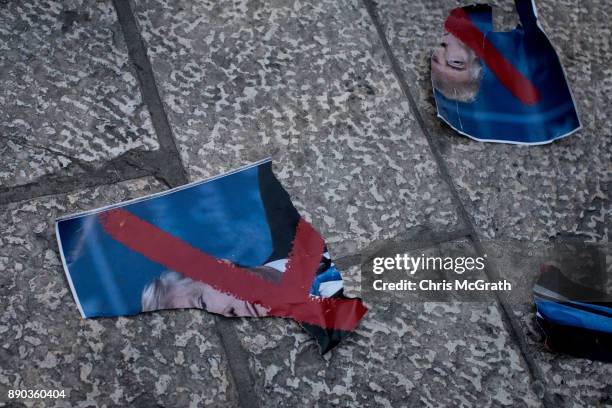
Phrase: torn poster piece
[505,87]
[233,245]
[576,319]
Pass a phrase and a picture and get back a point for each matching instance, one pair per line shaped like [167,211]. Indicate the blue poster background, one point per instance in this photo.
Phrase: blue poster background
[224,217]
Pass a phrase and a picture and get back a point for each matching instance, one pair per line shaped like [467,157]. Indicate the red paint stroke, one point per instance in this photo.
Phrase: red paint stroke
[290,298]
[459,24]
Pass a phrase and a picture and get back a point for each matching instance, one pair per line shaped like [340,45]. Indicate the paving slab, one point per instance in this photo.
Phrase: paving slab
[408,351]
[68,98]
[171,358]
[513,192]
[308,84]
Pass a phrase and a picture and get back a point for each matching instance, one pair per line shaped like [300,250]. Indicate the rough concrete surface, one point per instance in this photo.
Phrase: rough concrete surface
[68,93]
[104,101]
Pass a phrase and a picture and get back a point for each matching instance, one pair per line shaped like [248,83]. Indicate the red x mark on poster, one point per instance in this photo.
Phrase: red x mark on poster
[289,298]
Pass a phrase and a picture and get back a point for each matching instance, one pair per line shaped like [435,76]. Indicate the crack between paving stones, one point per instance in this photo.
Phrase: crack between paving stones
[25,143]
[173,170]
[122,168]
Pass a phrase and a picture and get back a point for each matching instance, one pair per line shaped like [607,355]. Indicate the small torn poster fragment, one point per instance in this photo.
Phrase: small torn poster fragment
[505,87]
[576,318]
[233,245]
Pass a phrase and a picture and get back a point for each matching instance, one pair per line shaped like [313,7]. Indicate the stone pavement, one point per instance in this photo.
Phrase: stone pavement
[103,102]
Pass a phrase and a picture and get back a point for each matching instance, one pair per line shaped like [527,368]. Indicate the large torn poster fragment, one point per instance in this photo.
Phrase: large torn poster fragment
[506,87]
[233,245]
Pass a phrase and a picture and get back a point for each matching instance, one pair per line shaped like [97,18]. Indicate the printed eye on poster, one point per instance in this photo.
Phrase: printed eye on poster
[506,87]
[233,245]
